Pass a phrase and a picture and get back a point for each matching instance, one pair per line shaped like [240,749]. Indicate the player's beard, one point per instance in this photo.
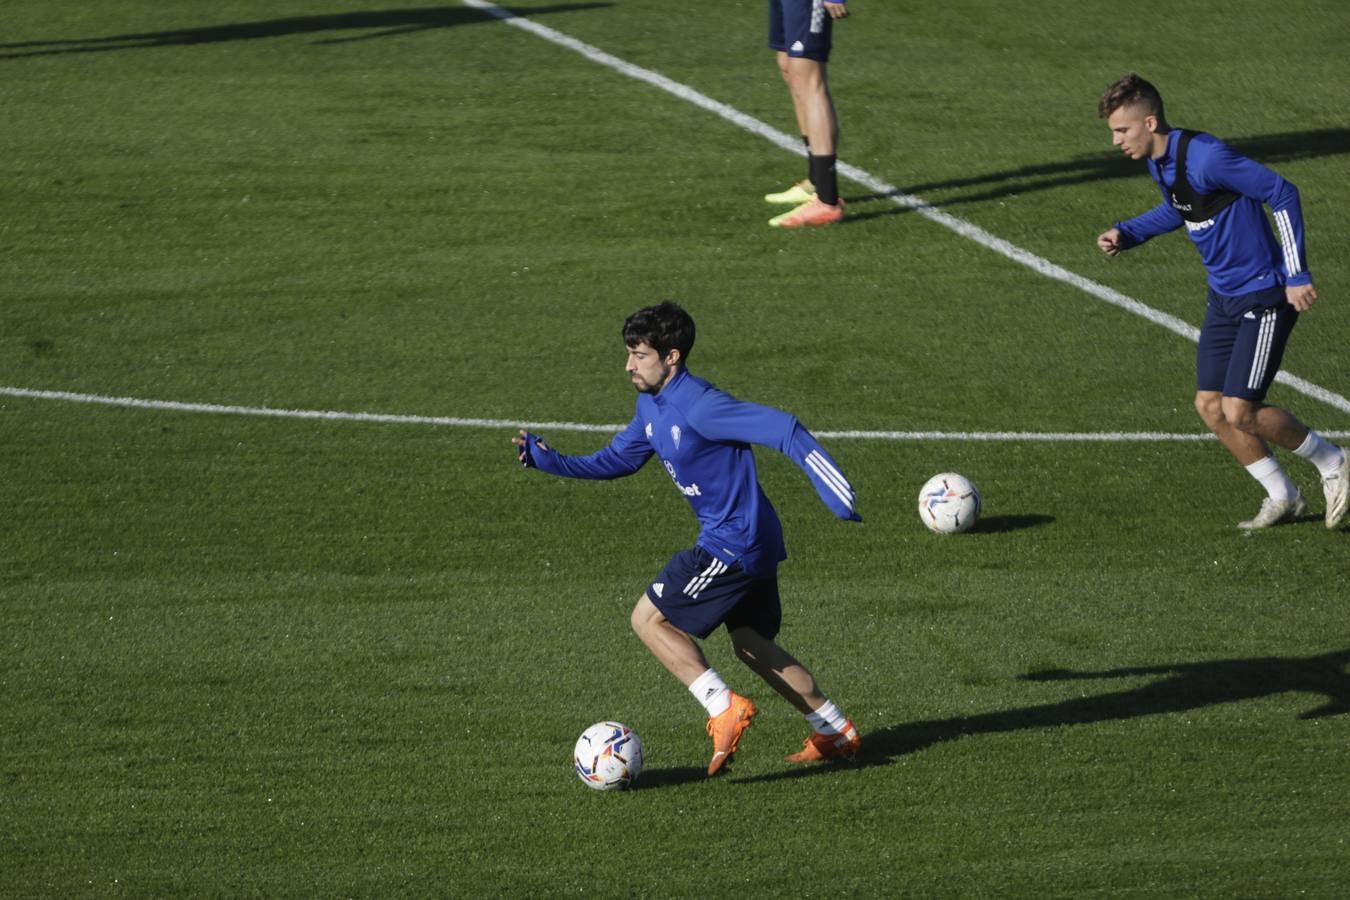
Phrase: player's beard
[644,388]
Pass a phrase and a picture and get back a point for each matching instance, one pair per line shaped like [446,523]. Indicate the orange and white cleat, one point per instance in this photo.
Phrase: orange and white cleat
[796,195]
[811,213]
[726,730]
[820,747]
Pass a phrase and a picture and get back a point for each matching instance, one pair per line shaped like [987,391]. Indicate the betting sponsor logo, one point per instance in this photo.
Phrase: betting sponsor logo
[688,490]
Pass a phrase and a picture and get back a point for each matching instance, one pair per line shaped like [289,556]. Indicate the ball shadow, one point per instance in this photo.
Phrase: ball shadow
[996,524]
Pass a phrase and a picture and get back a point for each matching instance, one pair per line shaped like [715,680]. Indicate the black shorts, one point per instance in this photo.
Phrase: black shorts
[1242,342]
[800,28]
[696,592]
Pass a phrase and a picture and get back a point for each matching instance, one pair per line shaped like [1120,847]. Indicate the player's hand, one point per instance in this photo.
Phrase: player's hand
[522,442]
[836,10]
[1301,297]
[1109,242]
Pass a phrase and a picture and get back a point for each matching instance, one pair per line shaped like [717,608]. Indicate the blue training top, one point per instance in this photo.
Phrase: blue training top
[1238,248]
[703,436]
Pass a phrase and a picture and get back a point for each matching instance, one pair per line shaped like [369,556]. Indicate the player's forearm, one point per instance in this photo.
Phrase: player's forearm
[828,479]
[1161,219]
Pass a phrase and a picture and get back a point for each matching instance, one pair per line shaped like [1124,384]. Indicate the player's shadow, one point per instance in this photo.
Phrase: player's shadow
[335,27]
[1180,687]
[997,524]
[1268,149]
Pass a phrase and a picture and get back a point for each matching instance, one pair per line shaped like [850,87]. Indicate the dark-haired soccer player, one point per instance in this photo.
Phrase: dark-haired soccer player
[1258,286]
[800,31]
[730,576]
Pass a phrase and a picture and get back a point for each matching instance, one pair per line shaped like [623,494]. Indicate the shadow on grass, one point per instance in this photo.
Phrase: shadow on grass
[998,524]
[1268,149]
[656,778]
[375,24]
[1179,688]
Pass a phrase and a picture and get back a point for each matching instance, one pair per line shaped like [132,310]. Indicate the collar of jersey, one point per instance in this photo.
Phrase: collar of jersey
[669,390]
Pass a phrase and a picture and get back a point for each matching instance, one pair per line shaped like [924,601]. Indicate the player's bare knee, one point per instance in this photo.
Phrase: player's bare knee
[1210,407]
[1241,414]
[641,618]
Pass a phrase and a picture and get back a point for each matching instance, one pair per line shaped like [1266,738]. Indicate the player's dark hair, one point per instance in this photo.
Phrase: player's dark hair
[663,327]
[1130,90]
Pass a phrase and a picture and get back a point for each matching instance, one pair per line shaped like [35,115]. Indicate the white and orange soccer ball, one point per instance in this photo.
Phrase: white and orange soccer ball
[608,756]
[949,503]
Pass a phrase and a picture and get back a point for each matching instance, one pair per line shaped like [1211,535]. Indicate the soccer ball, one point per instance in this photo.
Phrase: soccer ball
[949,503]
[608,756]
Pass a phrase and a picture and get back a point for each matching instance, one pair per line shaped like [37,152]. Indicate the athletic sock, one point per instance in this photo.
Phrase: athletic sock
[827,719]
[824,178]
[1321,453]
[807,141]
[1272,478]
[710,690]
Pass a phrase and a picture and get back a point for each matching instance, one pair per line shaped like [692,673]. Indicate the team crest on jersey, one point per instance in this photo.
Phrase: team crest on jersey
[649,431]
[675,434]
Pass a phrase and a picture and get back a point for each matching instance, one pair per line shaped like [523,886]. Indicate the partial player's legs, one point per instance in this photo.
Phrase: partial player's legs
[801,33]
[816,117]
[677,651]
[834,736]
[729,714]
[811,101]
[803,190]
[1241,346]
[1283,502]
[1278,426]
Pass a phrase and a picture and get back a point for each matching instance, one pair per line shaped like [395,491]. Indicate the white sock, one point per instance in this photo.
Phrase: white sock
[1272,478]
[1321,453]
[827,719]
[710,690]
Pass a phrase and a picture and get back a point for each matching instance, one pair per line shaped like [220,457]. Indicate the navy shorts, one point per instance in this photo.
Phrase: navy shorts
[1242,342]
[696,592]
[800,28]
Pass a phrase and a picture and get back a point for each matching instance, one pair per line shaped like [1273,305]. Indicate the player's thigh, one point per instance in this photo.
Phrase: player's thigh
[1258,350]
[1218,336]
[758,615]
[696,591]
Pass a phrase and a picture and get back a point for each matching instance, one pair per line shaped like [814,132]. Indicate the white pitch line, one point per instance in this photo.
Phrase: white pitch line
[321,414]
[330,415]
[919,205]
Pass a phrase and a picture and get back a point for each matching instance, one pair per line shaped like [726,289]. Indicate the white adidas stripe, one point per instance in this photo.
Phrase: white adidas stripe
[833,478]
[701,581]
[1292,264]
[1261,358]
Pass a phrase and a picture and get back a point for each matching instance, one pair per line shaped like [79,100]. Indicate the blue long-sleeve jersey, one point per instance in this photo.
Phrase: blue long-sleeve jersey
[1238,248]
[702,436]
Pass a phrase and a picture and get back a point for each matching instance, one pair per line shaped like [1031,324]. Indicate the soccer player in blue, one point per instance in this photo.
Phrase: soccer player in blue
[800,33]
[1258,288]
[730,577]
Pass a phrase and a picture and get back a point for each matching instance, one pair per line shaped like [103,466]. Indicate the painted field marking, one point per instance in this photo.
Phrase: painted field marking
[748,123]
[330,415]
[960,226]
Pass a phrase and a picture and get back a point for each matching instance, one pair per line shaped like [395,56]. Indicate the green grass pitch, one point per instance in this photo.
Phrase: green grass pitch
[251,656]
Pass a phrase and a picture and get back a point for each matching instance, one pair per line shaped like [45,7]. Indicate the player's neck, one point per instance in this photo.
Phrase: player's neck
[1160,141]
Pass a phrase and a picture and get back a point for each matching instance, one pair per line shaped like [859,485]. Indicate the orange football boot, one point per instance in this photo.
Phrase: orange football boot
[812,212]
[726,730]
[829,746]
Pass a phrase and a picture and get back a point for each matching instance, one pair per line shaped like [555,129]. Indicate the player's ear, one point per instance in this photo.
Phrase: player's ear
[674,357]
[1151,123]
